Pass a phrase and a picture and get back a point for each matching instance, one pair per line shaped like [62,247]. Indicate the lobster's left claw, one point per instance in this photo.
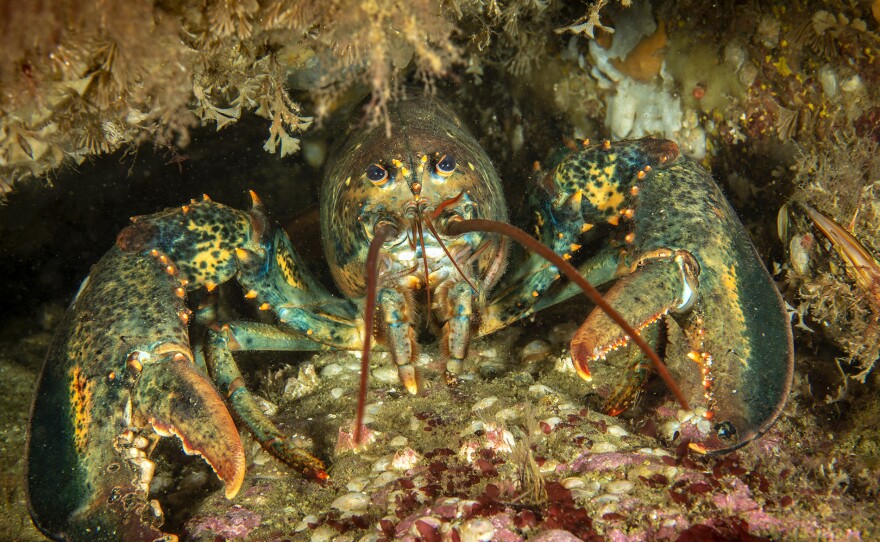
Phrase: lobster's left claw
[178,400]
[659,284]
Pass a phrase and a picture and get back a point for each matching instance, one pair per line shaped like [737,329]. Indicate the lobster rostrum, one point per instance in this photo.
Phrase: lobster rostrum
[410,226]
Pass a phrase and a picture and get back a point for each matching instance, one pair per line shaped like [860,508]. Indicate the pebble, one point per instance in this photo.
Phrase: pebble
[563,364]
[382,464]
[588,491]
[642,471]
[474,426]
[684,415]
[352,503]
[304,524]
[609,508]
[429,523]
[852,83]
[336,393]
[535,351]
[552,422]
[266,406]
[561,334]
[405,459]
[573,483]
[606,498]
[357,483]
[383,479]
[549,466]
[323,533]
[668,430]
[506,414]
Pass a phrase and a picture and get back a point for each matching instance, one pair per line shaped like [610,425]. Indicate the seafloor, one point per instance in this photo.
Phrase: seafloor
[784,108]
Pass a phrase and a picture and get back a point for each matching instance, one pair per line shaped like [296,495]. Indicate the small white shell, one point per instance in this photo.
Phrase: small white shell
[331,370]
[351,502]
[484,403]
[398,442]
[603,448]
[619,486]
[539,390]
[618,431]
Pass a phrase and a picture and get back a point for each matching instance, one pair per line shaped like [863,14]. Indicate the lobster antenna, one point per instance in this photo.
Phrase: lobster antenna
[518,235]
[381,234]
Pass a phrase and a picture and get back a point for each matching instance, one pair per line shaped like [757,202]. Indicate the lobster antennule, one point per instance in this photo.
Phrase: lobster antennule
[425,261]
[446,250]
[493,226]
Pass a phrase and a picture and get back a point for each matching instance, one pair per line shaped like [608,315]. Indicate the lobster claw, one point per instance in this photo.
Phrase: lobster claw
[178,400]
[98,481]
[108,386]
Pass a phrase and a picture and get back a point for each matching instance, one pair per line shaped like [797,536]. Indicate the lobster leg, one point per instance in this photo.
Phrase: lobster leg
[232,385]
[398,334]
[457,327]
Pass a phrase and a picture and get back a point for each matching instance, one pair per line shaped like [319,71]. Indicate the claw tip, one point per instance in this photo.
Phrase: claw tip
[255,199]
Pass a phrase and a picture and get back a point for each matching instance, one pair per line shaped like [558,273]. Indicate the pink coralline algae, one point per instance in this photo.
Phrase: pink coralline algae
[237,523]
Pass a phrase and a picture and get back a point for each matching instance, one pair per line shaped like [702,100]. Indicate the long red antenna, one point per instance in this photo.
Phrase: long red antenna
[382,233]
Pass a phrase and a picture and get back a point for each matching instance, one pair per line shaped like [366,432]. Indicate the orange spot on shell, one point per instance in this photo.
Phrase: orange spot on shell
[81,406]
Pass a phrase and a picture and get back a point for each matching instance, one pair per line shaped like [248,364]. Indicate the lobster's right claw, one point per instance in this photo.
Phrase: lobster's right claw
[89,473]
[176,399]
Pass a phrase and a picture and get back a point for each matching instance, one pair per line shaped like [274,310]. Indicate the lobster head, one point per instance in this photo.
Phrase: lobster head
[428,172]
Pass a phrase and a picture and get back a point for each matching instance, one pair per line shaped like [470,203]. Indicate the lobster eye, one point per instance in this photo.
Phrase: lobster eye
[446,165]
[377,174]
